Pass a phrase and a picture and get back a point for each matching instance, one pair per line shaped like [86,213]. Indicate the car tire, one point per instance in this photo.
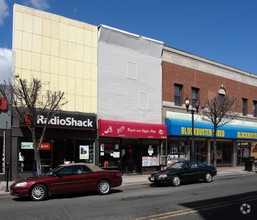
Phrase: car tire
[104,187]
[175,181]
[38,192]
[208,178]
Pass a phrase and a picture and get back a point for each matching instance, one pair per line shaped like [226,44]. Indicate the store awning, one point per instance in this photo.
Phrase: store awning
[204,129]
[109,128]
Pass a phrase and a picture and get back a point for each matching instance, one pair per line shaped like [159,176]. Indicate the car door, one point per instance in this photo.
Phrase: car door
[203,169]
[193,171]
[67,180]
[89,178]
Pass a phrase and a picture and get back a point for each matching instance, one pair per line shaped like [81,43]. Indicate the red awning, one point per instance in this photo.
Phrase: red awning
[131,129]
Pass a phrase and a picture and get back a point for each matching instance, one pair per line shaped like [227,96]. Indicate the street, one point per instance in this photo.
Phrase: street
[225,198]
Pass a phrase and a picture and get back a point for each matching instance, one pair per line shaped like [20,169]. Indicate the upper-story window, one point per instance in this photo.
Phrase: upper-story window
[254,108]
[195,96]
[221,98]
[244,106]
[222,93]
[178,94]
[131,70]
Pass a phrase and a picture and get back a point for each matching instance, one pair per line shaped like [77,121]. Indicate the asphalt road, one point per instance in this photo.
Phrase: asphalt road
[225,198]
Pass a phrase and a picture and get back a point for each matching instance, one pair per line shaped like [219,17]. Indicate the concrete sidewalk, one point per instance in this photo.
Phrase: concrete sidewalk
[135,179]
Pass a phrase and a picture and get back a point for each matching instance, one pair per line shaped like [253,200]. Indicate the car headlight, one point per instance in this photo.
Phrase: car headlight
[22,184]
[162,176]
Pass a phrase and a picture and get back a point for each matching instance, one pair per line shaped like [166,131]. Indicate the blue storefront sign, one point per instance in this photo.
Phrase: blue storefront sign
[177,127]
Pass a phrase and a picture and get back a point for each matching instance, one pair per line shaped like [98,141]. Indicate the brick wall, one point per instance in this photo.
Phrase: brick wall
[208,85]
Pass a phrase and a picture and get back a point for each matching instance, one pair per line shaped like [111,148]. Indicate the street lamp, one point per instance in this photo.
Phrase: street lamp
[197,103]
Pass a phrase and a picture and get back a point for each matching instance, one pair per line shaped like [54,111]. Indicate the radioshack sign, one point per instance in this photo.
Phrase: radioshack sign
[83,121]
[70,121]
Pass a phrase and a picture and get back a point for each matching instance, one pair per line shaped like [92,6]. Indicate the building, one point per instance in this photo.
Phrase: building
[125,96]
[62,53]
[5,137]
[188,75]
[129,100]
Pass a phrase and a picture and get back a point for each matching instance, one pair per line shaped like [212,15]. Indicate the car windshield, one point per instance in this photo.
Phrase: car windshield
[177,165]
[56,169]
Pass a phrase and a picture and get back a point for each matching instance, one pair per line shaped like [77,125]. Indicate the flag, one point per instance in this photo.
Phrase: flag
[201,108]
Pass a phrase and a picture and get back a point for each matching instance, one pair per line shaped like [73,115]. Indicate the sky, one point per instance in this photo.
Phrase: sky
[221,30]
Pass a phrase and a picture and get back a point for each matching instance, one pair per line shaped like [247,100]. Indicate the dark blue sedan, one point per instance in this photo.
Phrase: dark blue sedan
[183,171]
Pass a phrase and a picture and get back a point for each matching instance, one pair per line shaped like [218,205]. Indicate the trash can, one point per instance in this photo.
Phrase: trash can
[249,164]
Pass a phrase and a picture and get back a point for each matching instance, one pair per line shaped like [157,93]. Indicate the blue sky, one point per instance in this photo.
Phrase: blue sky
[221,30]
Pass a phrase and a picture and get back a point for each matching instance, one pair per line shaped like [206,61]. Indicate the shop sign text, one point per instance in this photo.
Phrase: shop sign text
[247,135]
[205,132]
[149,161]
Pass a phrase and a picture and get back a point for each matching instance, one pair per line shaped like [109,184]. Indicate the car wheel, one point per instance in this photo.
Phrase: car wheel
[175,180]
[208,177]
[104,187]
[38,192]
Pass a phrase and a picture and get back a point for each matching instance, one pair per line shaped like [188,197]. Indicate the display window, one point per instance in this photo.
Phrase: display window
[177,150]
[150,153]
[110,155]
[55,152]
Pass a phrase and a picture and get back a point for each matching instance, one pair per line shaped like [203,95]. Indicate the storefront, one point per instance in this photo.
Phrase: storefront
[234,141]
[5,131]
[70,137]
[131,147]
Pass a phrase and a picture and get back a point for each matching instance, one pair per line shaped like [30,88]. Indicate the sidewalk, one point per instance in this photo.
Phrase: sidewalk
[135,180]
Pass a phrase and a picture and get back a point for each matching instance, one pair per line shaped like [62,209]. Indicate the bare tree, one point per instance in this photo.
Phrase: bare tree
[28,101]
[220,110]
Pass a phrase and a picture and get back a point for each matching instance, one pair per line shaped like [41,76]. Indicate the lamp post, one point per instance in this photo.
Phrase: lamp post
[197,103]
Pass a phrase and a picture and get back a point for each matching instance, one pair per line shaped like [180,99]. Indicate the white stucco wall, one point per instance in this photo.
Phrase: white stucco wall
[118,93]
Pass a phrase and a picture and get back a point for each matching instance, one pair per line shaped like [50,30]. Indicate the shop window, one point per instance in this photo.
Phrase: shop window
[150,153]
[26,157]
[178,94]
[195,94]
[244,107]
[177,150]
[254,108]
[109,155]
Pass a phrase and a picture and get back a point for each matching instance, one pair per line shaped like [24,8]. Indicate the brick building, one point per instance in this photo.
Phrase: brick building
[188,75]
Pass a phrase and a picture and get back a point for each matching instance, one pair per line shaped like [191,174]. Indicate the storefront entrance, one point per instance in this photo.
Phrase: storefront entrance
[131,156]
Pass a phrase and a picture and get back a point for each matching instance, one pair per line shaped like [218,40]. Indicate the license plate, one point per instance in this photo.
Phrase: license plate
[152,178]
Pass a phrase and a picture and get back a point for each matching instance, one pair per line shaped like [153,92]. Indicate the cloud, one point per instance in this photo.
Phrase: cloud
[4,11]
[38,4]
[5,64]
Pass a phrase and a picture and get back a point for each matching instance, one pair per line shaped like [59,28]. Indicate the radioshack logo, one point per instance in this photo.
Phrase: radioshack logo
[68,122]
[3,104]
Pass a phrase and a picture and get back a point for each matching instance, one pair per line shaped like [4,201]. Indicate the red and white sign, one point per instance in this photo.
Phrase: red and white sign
[44,146]
[131,129]
[3,104]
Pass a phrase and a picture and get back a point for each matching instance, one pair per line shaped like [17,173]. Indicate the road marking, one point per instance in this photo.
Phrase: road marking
[197,209]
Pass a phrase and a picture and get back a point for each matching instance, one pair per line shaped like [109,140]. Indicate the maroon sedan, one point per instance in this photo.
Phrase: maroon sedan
[68,178]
